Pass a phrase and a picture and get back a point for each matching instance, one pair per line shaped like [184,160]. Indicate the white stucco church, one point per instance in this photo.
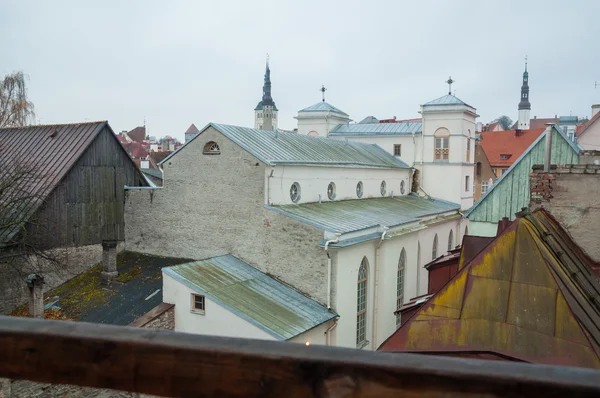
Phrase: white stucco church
[344,214]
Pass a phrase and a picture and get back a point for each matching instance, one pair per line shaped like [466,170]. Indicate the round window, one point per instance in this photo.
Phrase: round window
[295,192]
[402,187]
[331,191]
[359,189]
[382,188]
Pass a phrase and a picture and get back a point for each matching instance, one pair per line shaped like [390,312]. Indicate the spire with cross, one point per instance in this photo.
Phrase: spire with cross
[322,90]
[449,81]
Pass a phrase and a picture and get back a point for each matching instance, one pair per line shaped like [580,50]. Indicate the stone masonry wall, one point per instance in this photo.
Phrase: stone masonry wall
[571,193]
[212,205]
[59,266]
[165,321]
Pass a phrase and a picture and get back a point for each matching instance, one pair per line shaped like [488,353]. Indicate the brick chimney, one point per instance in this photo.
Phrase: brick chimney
[35,283]
[109,261]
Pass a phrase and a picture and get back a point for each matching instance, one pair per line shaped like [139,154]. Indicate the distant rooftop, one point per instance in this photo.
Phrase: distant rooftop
[447,99]
[252,295]
[323,107]
[377,129]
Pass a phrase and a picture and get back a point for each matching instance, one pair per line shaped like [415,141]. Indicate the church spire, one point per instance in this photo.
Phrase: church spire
[524,105]
[266,98]
[265,113]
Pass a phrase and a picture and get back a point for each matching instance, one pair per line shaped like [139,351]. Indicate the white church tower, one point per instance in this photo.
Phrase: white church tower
[446,161]
[524,105]
[319,119]
[265,113]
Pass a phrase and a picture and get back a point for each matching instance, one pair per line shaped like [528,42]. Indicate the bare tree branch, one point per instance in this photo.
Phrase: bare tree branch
[15,107]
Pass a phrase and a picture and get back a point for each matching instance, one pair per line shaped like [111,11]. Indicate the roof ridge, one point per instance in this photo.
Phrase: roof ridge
[52,125]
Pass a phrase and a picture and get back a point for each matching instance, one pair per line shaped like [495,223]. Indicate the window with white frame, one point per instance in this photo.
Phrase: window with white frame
[442,145]
[361,308]
[484,187]
[198,303]
[400,284]
[211,148]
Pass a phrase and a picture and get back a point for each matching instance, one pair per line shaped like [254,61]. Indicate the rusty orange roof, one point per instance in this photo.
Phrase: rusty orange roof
[580,129]
[529,295]
[503,148]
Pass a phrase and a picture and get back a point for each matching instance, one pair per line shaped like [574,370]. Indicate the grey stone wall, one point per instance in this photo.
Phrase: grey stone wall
[571,193]
[212,205]
[165,321]
[56,266]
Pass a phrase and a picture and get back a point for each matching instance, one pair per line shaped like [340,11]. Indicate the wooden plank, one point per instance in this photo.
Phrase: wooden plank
[175,364]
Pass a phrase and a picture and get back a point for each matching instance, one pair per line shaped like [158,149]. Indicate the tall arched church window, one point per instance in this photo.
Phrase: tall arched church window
[450,240]
[400,284]
[434,248]
[468,158]
[361,307]
[442,145]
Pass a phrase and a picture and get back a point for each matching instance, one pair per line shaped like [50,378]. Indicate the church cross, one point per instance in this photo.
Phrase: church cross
[449,81]
[322,90]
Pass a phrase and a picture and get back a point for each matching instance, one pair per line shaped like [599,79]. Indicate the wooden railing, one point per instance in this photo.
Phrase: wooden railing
[175,364]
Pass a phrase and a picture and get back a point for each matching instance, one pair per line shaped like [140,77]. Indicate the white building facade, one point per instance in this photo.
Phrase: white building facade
[337,220]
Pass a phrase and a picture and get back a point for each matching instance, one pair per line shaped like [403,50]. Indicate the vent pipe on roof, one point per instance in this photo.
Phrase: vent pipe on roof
[35,283]
[548,153]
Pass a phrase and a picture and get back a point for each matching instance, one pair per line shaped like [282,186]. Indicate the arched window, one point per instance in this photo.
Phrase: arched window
[313,134]
[400,284]
[442,145]
[434,248]
[450,240]
[361,314]
[468,159]
[211,148]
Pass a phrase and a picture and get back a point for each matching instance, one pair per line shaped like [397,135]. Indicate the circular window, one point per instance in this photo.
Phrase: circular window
[331,191]
[382,188]
[359,189]
[295,192]
[402,187]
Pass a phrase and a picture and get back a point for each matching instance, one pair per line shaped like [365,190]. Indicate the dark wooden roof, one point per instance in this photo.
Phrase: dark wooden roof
[47,153]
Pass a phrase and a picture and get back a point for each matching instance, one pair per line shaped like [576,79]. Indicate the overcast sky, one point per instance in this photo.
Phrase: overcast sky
[180,62]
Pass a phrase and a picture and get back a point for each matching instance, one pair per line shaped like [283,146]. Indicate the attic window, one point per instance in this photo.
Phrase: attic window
[211,148]
[359,189]
[505,156]
[331,191]
[198,303]
[382,188]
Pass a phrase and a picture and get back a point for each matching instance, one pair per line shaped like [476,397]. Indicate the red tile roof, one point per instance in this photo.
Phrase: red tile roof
[580,129]
[192,129]
[135,150]
[539,123]
[138,134]
[507,142]
[158,157]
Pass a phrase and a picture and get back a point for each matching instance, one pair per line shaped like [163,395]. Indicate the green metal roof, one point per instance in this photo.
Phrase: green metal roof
[252,295]
[359,214]
[323,107]
[447,99]
[401,128]
[279,147]
[510,193]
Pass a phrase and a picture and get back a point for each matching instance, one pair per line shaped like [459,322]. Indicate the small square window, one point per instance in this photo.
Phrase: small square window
[397,150]
[198,303]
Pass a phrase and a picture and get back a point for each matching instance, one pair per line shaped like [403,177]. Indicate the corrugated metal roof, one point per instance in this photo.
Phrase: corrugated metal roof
[377,129]
[355,215]
[446,100]
[279,147]
[510,193]
[323,107]
[369,119]
[261,300]
[529,295]
[48,152]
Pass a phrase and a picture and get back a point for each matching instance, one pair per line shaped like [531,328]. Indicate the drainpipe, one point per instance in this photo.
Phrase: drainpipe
[548,154]
[376,288]
[328,332]
[336,240]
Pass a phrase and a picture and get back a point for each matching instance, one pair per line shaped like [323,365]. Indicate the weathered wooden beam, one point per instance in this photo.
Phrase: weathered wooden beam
[176,364]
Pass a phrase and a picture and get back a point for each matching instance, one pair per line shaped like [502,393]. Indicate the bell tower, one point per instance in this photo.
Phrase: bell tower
[265,113]
[524,105]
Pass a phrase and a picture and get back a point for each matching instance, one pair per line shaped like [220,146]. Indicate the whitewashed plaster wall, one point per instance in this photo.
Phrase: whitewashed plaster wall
[320,122]
[314,181]
[411,146]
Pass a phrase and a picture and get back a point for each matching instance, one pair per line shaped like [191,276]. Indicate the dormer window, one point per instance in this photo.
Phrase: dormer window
[211,148]
[505,156]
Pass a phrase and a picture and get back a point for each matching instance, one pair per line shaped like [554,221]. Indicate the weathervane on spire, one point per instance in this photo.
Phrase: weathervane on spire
[322,90]
[526,63]
[449,81]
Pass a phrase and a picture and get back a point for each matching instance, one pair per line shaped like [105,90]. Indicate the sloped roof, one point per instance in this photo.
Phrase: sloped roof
[447,99]
[138,134]
[538,123]
[354,215]
[252,295]
[581,129]
[510,192]
[135,150]
[260,106]
[323,107]
[279,147]
[497,143]
[159,156]
[192,129]
[369,119]
[529,295]
[47,153]
[377,129]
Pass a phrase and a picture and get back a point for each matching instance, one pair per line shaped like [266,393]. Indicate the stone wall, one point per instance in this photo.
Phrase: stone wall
[571,193]
[212,205]
[56,266]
